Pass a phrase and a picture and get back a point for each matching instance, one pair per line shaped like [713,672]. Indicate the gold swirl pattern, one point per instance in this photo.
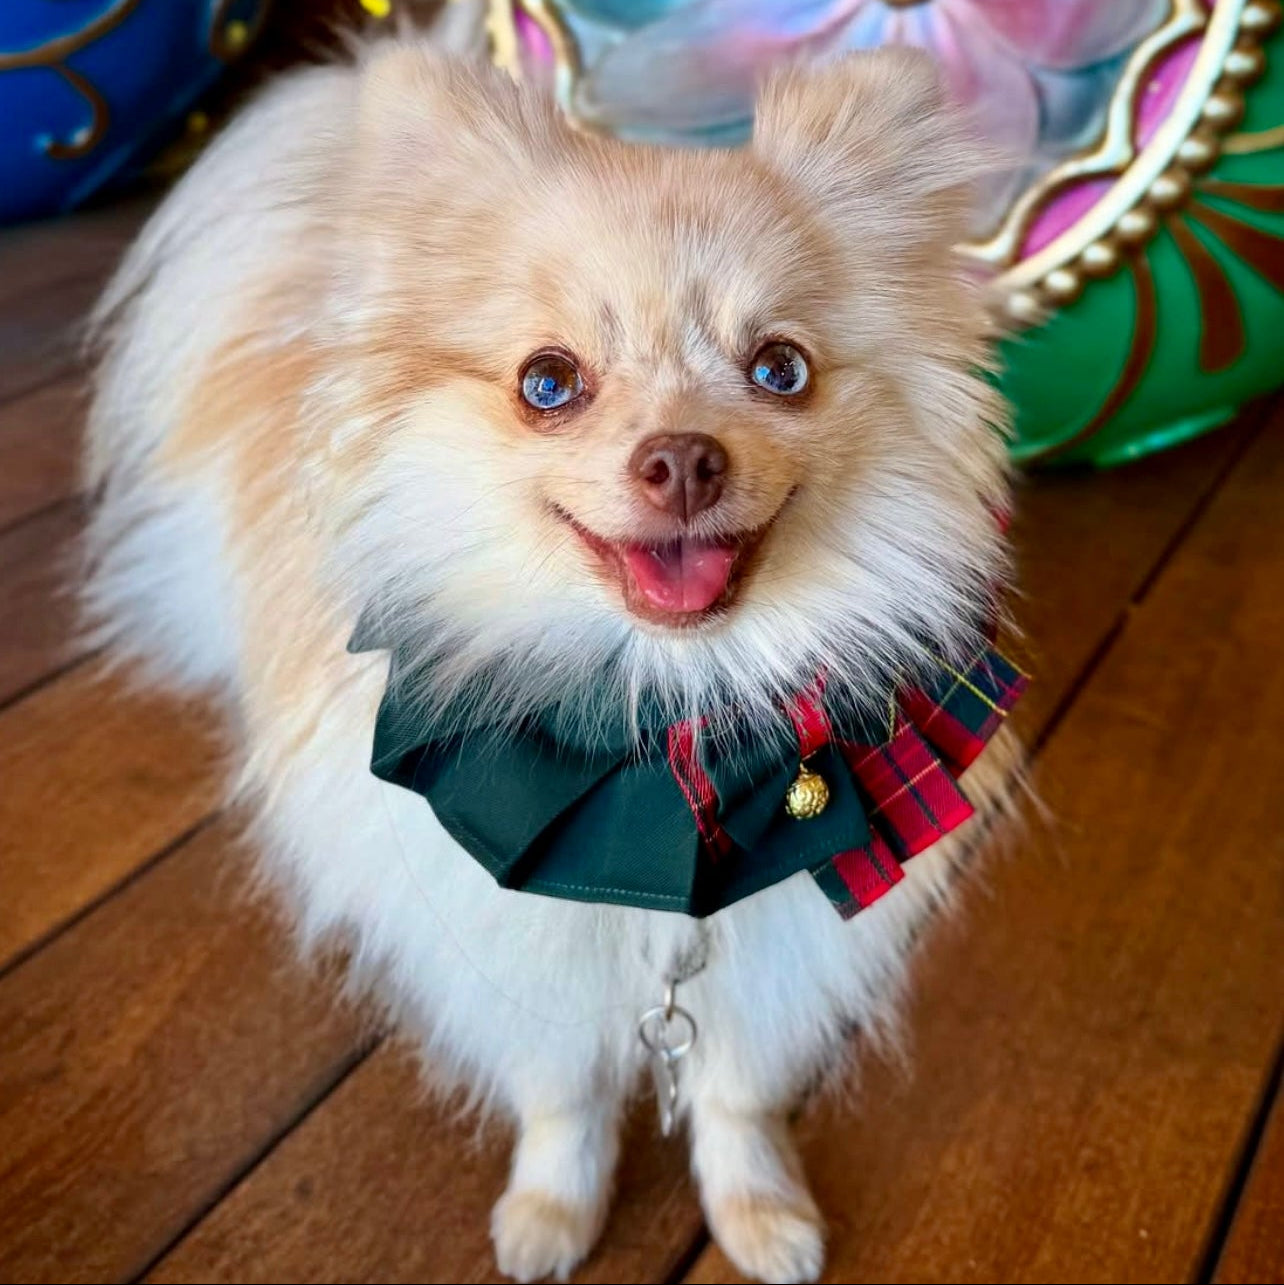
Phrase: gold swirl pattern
[1264,140]
[227,39]
[88,136]
[52,56]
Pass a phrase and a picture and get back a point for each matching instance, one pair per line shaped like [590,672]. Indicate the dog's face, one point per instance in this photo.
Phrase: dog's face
[701,420]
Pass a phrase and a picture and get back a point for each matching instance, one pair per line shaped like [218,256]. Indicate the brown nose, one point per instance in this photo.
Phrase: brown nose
[680,473]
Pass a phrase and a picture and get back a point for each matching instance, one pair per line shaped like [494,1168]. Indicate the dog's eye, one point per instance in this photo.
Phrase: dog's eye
[550,381]
[780,369]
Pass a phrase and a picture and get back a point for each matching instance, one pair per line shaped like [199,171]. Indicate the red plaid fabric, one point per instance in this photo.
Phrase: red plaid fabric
[913,798]
[865,875]
[909,781]
[810,721]
[960,709]
[697,788]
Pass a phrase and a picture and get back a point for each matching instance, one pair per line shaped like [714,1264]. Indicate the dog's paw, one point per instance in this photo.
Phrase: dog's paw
[537,1235]
[770,1238]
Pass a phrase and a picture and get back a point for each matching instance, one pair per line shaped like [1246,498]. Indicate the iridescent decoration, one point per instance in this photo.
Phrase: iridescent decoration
[1036,75]
[1135,237]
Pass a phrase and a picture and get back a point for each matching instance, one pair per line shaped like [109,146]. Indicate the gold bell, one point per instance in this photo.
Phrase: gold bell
[808,796]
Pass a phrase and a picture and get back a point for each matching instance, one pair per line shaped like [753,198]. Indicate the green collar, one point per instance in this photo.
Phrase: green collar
[664,815]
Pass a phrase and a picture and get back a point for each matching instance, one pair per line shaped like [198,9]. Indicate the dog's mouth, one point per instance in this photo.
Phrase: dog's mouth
[678,582]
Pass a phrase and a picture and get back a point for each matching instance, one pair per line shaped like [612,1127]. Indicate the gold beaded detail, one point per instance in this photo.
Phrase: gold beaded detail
[1062,285]
[1100,259]
[1170,191]
[1200,151]
[1136,225]
[1244,65]
[1260,18]
[1224,108]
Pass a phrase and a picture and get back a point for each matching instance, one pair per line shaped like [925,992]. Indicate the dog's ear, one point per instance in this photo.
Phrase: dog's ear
[447,120]
[871,137]
[441,150]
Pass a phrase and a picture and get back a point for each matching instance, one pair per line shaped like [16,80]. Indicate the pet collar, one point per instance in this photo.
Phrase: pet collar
[669,819]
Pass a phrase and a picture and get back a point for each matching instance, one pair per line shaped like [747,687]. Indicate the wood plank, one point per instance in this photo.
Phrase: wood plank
[1254,1250]
[421,1168]
[39,534]
[50,274]
[1091,1047]
[97,779]
[39,445]
[112,1128]
[37,630]
[371,1186]
[1086,543]
[390,1160]
[44,343]
[84,244]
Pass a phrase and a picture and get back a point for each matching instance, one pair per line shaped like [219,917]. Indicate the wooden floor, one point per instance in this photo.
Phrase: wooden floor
[1096,1045]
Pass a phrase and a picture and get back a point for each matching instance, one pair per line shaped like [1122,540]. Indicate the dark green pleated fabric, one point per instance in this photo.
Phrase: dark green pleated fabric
[636,815]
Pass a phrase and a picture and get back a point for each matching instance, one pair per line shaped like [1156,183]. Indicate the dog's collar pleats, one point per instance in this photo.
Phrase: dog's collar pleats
[671,819]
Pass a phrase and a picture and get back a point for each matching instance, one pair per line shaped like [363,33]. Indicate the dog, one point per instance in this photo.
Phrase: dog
[576,424]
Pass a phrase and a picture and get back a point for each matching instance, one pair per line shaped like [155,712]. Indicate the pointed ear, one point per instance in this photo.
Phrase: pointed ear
[422,113]
[870,135]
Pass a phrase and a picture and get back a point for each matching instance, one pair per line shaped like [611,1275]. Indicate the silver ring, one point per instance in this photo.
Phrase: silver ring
[667,1015]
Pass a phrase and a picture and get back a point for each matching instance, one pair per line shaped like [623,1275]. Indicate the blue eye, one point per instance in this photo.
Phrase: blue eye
[550,381]
[780,369]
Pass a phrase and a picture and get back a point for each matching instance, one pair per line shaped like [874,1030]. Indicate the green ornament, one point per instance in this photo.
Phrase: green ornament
[1166,322]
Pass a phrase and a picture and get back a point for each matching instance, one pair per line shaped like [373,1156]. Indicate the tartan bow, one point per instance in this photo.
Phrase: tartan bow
[669,819]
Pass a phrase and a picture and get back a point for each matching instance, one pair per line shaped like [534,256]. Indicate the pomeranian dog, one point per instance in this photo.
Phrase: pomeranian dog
[579,425]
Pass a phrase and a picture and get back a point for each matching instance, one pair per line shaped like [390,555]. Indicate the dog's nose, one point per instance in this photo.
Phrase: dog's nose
[680,473]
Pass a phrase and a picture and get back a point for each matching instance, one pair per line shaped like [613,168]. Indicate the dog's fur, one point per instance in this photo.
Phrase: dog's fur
[307,405]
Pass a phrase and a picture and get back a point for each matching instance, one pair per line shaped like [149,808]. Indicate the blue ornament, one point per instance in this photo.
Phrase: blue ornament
[89,88]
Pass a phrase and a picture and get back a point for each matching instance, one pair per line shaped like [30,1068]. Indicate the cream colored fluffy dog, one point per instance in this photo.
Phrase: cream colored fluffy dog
[579,422]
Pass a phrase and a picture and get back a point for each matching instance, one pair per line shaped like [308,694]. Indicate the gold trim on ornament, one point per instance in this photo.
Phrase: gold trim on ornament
[1169,187]
[1210,104]
[1222,329]
[1200,151]
[228,38]
[501,26]
[1110,155]
[501,32]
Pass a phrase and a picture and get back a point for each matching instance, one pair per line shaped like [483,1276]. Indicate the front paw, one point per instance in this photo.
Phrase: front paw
[538,1235]
[771,1238]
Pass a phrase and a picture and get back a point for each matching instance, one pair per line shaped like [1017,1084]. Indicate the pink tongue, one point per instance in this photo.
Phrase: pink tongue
[683,576]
